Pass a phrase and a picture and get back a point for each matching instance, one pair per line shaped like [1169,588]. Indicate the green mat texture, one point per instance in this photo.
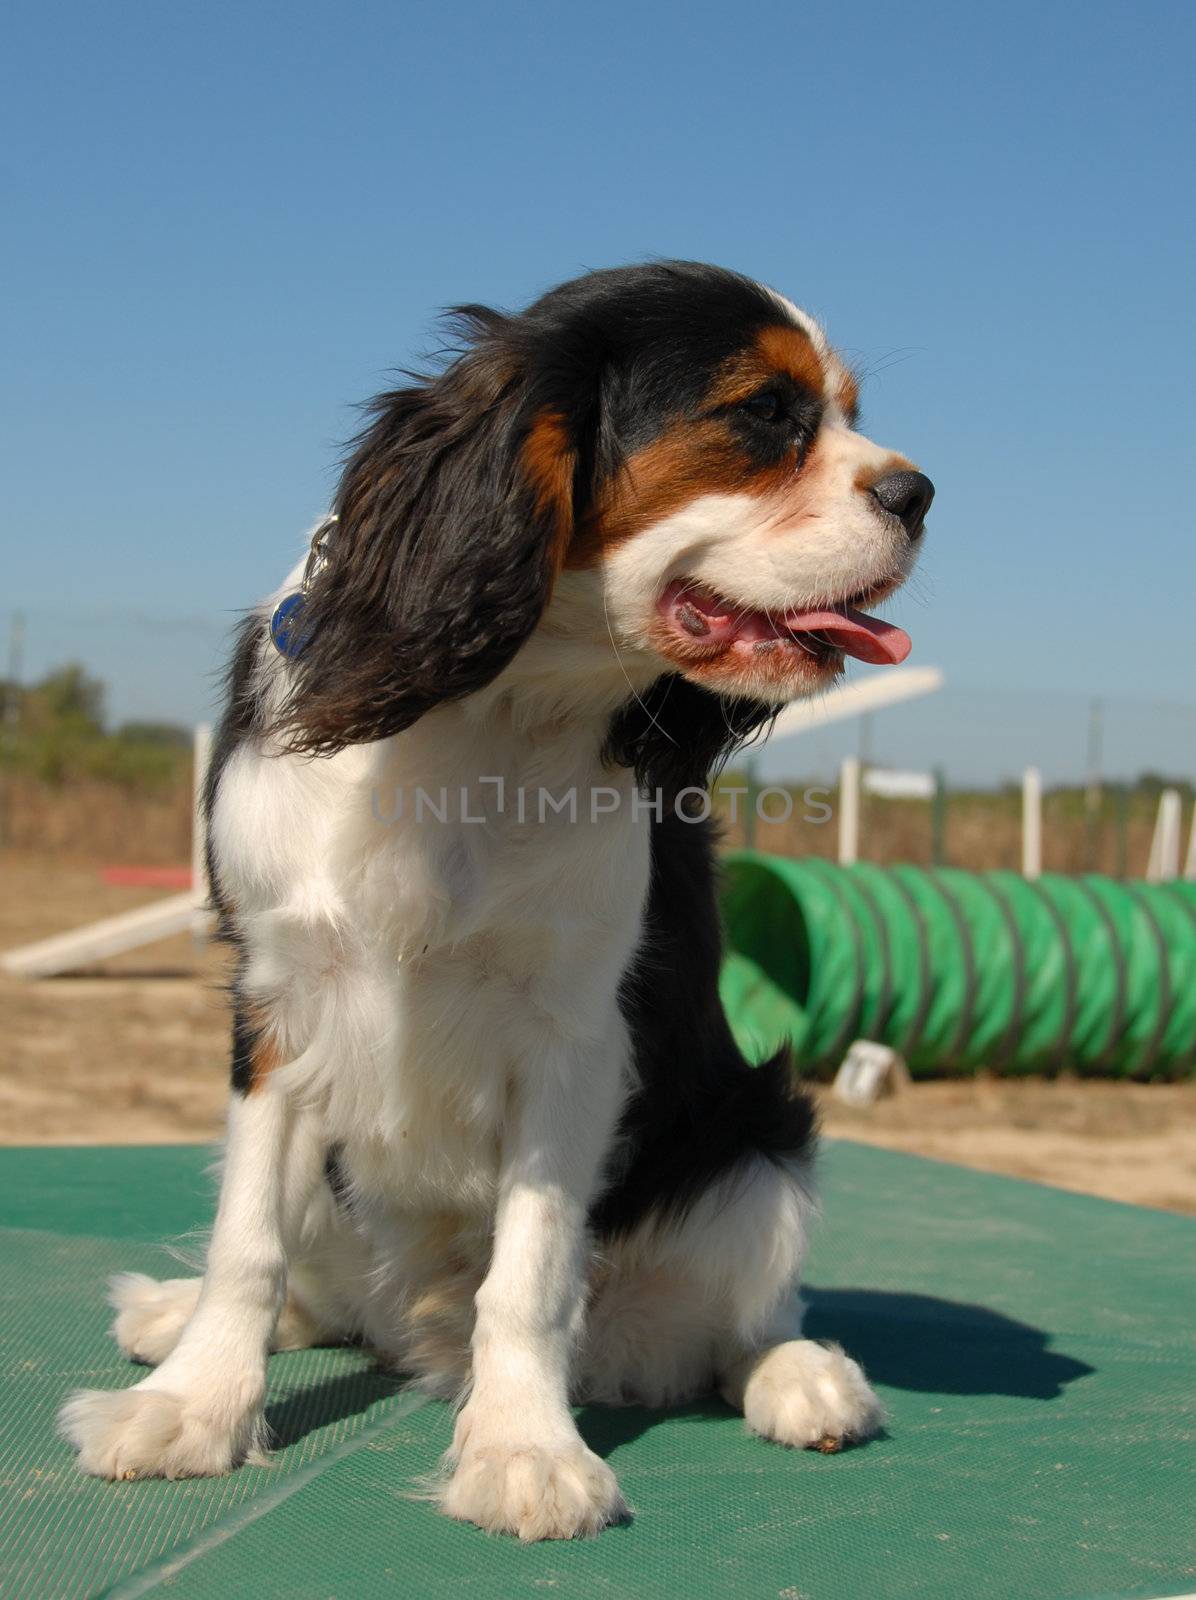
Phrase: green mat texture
[1036,1351]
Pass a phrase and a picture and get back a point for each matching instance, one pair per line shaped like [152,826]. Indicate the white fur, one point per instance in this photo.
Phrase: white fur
[199,1412]
[442,997]
[151,1316]
[801,1393]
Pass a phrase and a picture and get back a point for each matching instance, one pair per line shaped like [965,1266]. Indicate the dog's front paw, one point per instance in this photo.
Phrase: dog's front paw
[810,1395]
[150,1315]
[152,1433]
[534,1491]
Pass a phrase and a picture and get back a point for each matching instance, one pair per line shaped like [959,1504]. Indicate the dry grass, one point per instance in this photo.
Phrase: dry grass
[983,833]
[89,820]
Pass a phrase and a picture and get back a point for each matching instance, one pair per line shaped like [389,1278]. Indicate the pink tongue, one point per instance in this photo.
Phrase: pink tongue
[703,615]
[855,633]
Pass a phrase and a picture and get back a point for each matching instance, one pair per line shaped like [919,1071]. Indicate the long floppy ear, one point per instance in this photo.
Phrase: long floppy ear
[454,515]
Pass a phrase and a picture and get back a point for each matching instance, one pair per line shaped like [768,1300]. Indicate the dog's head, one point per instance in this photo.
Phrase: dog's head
[674,442]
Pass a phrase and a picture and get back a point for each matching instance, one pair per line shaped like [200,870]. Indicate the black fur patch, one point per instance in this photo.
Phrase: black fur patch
[700,1109]
[677,734]
[246,1038]
[335,1175]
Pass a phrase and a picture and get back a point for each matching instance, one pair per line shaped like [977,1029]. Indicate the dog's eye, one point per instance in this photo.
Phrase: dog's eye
[769,407]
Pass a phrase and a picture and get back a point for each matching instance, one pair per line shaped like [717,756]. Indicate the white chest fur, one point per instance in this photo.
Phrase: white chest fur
[425,920]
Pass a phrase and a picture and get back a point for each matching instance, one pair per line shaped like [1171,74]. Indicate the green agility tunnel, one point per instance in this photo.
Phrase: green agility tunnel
[960,970]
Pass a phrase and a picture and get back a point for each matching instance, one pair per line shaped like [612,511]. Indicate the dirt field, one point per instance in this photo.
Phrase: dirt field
[134,1053]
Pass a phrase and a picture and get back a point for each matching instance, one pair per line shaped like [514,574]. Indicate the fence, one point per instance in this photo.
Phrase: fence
[941,782]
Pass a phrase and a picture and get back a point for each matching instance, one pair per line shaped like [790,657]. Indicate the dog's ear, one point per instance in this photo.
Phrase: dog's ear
[454,515]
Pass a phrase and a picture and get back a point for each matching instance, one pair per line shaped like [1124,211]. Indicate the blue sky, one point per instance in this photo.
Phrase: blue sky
[226,222]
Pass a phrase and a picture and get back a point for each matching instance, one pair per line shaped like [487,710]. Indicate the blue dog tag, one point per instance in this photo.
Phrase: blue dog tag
[290,638]
[286,625]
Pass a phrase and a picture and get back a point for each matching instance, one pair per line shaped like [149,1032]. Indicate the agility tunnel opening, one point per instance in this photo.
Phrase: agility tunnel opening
[959,970]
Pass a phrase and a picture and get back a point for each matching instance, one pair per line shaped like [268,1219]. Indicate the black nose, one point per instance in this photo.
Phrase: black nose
[907,495]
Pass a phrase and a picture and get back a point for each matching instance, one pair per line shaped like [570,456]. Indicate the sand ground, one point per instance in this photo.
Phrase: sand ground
[134,1052]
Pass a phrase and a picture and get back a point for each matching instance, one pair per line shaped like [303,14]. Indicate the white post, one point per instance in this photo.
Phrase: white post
[1164,846]
[1171,809]
[849,811]
[202,748]
[1190,863]
[1031,823]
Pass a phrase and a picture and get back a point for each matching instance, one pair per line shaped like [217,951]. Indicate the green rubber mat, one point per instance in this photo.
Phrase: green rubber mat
[1036,1351]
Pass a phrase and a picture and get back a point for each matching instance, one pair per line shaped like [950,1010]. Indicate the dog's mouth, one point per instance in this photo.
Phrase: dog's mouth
[699,620]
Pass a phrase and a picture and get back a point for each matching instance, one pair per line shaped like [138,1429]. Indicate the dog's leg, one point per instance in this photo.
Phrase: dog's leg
[520,1464]
[791,1390]
[710,1300]
[151,1313]
[199,1413]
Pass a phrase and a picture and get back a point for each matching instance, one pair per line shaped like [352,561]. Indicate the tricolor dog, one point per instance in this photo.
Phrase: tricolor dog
[487,1116]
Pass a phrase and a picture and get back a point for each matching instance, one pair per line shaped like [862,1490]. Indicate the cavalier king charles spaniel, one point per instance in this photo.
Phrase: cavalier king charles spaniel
[487,1115]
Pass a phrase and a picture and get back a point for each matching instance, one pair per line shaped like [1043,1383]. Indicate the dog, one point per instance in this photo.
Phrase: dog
[487,1115]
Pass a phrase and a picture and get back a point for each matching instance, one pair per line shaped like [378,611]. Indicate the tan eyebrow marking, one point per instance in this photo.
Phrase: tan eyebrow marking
[776,349]
[792,351]
[701,455]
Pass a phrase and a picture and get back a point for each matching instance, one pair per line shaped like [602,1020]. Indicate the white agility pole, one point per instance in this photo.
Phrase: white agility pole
[1031,823]
[869,694]
[1164,846]
[112,936]
[849,811]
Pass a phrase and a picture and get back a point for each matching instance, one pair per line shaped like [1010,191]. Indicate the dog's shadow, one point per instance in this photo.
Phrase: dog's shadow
[919,1342]
[904,1341]
[305,1410]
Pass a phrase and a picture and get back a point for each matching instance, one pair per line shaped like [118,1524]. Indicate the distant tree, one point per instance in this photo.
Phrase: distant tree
[1153,783]
[60,736]
[68,700]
